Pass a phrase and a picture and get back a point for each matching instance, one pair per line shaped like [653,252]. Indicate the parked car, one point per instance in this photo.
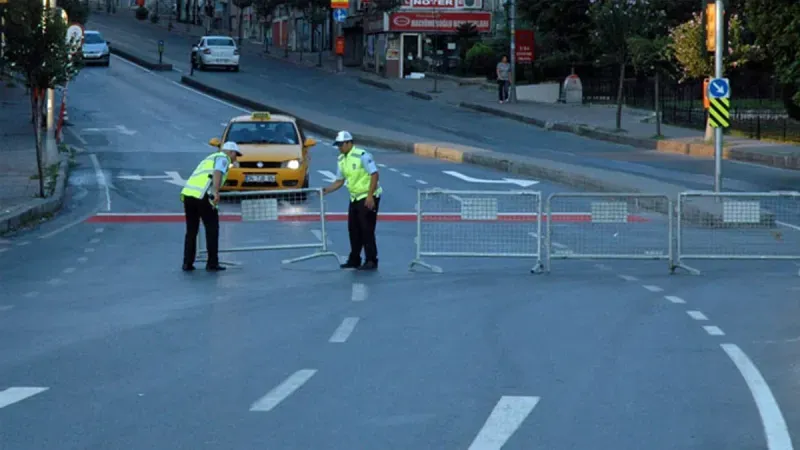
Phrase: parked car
[215,51]
[95,49]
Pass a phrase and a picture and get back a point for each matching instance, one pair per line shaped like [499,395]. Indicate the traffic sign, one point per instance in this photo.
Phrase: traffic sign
[340,4]
[719,112]
[75,33]
[339,14]
[719,88]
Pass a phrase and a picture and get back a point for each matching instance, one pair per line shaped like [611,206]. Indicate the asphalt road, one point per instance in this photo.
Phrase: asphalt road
[274,81]
[105,343]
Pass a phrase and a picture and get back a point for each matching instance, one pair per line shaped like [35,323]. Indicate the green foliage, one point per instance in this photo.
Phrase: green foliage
[649,55]
[377,7]
[563,29]
[77,10]
[142,13]
[265,8]
[481,59]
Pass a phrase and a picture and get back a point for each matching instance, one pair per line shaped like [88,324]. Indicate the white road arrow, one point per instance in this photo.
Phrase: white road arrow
[518,182]
[119,128]
[170,177]
[330,177]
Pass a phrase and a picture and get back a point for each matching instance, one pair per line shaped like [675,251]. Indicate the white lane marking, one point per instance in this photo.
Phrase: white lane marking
[283,390]
[175,126]
[602,267]
[422,182]
[88,250]
[3,250]
[223,102]
[54,281]
[17,394]
[69,270]
[132,64]
[507,415]
[652,288]
[191,136]
[83,259]
[382,165]
[94,240]
[697,315]
[31,294]
[318,235]
[788,225]
[359,293]
[67,226]
[674,299]
[405,175]
[344,331]
[775,429]
[393,169]
[101,179]
[23,243]
[77,136]
[99,230]
[628,278]
[6,307]
[713,331]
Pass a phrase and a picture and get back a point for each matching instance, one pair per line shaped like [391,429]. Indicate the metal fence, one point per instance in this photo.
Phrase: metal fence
[609,226]
[289,219]
[738,226]
[470,224]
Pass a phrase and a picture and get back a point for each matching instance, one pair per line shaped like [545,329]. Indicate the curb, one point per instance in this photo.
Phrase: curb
[420,95]
[34,209]
[147,64]
[377,84]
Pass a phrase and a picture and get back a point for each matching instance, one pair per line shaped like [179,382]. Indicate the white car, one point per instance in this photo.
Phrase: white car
[215,51]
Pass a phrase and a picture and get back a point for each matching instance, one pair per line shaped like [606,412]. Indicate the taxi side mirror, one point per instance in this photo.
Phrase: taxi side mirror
[214,142]
[309,142]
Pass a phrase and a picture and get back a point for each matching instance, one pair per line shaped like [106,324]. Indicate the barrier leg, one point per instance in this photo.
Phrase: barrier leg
[202,253]
[324,251]
[421,263]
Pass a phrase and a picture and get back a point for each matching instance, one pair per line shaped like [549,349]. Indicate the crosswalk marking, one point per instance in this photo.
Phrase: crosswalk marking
[17,394]
[283,390]
[506,417]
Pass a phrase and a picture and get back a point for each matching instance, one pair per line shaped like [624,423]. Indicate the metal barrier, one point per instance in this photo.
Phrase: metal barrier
[297,217]
[493,224]
[738,226]
[609,226]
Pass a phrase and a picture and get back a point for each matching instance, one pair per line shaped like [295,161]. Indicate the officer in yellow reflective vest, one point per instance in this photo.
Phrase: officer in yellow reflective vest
[200,197]
[357,167]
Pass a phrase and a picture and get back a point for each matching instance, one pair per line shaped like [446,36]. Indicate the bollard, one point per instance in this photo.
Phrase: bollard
[160,52]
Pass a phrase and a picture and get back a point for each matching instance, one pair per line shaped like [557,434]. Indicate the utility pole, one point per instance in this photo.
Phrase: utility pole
[719,38]
[512,94]
[51,151]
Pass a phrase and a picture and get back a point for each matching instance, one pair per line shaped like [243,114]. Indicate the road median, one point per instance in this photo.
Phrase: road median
[139,60]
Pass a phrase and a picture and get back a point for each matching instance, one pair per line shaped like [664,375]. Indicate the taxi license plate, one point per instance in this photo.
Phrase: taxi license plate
[259,178]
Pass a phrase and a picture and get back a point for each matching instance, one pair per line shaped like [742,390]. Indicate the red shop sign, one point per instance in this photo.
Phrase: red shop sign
[446,22]
[524,45]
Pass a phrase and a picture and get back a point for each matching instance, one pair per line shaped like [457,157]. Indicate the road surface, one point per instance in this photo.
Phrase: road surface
[107,344]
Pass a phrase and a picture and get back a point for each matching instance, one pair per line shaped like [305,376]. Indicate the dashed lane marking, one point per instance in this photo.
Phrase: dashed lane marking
[191,136]
[17,394]
[6,307]
[382,165]
[775,429]
[344,330]
[88,250]
[94,241]
[697,315]
[652,288]
[23,243]
[69,270]
[405,175]
[713,330]
[83,259]
[506,417]
[422,182]
[674,299]
[359,293]
[31,294]
[628,278]
[54,281]
[393,169]
[99,230]
[283,390]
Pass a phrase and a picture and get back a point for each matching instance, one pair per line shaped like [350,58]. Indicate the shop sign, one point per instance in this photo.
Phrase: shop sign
[523,42]
[444,22]
[442,4]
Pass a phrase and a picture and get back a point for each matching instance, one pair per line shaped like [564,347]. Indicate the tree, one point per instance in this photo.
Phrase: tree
[315,11]
[241,5]
[77,10]
[563,29]
[37,49]
[775,24]
[651,56]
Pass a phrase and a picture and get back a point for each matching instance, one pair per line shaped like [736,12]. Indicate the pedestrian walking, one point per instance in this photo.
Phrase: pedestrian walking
[357,167]
[503,80]
[200,197]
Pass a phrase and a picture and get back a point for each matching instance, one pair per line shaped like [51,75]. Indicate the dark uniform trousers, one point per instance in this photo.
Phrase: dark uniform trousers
[361,223]
[196,210]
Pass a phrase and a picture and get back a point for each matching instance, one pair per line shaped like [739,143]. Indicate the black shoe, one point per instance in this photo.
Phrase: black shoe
[216,268]
[369,265]
[188,267]
[350,265]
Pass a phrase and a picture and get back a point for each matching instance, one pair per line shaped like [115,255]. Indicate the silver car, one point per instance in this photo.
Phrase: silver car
[215,51]
[95,49]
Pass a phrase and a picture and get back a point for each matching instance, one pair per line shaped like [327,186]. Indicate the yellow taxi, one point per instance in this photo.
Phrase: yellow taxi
[274,152]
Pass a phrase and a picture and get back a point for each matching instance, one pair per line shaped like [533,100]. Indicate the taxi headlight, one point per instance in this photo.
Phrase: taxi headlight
[232,165]
[293,164]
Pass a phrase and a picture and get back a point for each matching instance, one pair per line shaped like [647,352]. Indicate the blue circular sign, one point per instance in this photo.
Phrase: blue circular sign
[339,14]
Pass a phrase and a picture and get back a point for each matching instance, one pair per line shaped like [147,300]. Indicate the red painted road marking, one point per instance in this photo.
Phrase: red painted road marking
[340,217]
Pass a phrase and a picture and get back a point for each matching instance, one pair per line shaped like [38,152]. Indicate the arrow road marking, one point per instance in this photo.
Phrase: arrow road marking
[119,128]
[330,177]
[169,177]
[17,394]
[518,182]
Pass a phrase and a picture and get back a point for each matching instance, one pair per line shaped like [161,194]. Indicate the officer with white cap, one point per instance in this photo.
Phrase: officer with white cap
[357,167]
[200,197]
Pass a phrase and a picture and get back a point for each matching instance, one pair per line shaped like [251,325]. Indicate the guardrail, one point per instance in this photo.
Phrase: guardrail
[596,226]
[271,212]
[478,224]
[737,226]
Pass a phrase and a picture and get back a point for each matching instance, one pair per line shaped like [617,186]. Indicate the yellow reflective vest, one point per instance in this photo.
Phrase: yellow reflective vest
[356,175]
[198,183]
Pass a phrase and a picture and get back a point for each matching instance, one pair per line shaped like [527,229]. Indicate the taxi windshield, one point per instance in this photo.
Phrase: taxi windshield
[283,133]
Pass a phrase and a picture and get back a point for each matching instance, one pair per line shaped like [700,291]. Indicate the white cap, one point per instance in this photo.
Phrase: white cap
[343,136]
[231,146]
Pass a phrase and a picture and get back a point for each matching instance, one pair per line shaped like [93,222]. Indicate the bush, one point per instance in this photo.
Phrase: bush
[154,18]
[142,13]
[481,60]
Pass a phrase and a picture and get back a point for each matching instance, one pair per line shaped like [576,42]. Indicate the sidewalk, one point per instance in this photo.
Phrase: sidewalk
[592,121]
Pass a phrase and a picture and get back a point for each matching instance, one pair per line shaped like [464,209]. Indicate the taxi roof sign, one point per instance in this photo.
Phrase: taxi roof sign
[260,115]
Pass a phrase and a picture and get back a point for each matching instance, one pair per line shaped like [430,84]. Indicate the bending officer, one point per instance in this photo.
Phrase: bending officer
[200,197]
[357,167]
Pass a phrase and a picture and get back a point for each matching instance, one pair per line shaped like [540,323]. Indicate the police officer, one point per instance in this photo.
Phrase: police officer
[200,197]
[356,166]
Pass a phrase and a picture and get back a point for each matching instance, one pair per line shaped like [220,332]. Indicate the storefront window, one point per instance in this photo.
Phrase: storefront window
[441,52]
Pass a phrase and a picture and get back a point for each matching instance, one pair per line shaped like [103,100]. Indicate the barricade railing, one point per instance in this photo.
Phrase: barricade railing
[290,219]
[478,224]
[593,226]
[737,226]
